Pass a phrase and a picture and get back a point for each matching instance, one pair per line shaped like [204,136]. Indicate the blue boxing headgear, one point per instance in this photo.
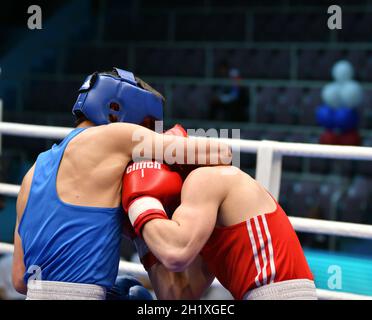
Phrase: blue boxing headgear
[105,98]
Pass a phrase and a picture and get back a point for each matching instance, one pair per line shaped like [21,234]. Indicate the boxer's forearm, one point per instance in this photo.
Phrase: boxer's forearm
[189,284]
[198,151]
[176,242]
[138,143]
[18,268]
[208,152]
[181,150]
[171,242]
[170,285]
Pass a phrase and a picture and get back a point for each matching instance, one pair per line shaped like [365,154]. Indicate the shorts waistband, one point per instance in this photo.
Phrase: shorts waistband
[297,289]
[56,290]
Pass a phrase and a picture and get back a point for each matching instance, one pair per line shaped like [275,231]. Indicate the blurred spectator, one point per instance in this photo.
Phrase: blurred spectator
[228,102]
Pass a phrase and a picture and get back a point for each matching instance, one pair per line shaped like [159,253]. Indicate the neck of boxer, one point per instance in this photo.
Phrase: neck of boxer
[85,124]
[88,123]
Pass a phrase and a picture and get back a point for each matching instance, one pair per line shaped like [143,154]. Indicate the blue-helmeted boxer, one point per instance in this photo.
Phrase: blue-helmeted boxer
[69,225]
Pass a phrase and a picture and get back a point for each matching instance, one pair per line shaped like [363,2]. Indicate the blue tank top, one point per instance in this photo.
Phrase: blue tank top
[66,242]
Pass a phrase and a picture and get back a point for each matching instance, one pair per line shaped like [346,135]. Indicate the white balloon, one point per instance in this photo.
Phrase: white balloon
[331,94]
[351,94]
[342,71]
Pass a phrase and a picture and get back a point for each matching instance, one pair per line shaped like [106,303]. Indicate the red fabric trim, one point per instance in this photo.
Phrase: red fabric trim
[145,217]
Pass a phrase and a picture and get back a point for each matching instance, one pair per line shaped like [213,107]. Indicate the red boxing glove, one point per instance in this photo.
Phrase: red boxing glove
[147,185]
[177,130]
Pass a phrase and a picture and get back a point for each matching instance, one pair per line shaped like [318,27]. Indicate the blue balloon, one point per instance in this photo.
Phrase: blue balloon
[351,94]
[331,94]
[346,119]
[324,116]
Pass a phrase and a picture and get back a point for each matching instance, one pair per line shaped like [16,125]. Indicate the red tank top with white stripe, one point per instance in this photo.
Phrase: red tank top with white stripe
[259,251]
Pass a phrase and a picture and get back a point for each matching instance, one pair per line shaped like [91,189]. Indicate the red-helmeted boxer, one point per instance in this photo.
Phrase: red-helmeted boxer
[242,234]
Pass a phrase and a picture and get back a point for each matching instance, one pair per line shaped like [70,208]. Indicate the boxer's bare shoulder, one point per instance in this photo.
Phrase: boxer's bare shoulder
[115,136]
[239,195]
[92,166]
[221,176]
[121,130]
[100,148]
[217,171]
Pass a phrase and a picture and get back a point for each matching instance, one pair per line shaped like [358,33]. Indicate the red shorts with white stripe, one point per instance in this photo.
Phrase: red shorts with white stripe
[263,250]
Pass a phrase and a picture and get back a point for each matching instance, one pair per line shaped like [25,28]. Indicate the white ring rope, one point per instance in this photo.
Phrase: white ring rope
[6,248]
[10,190]
[34,131]
[337,228]
[249,146]
[137,270]
[296,149]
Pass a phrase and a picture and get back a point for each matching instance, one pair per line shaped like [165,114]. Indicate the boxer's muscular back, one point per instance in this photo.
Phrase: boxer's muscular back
[89,174]
[91,170]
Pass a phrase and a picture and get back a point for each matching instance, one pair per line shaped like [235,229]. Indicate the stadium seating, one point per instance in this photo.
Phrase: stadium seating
[283,58]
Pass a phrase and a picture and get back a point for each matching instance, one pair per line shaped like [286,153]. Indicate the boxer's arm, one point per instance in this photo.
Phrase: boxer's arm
[177,242]
[189,284]
[18,268]
[136,141]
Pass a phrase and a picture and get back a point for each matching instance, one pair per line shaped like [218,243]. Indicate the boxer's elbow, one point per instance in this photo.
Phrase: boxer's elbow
[177,260]
[175,263]
[19,285]
[17,278]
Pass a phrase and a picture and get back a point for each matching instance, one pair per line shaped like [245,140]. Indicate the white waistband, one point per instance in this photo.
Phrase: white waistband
[297,289]
[55,290]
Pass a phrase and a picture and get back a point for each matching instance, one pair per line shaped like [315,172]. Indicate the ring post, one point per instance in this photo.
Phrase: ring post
[269,167]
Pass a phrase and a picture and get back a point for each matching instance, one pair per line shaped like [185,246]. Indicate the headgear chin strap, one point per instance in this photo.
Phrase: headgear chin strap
[104,98]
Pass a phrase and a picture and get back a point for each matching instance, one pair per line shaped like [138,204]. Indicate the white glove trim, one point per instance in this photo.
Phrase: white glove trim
[140,205]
